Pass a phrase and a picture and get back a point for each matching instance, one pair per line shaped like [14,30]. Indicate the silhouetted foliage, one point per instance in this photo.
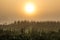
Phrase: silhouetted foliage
[25,30]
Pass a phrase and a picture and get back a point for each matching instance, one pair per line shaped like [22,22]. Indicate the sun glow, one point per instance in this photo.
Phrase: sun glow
[29,8]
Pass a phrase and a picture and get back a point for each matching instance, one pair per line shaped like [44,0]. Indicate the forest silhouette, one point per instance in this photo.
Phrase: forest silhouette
[25,30]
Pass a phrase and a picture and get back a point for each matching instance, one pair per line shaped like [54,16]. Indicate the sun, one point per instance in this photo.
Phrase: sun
[29,8]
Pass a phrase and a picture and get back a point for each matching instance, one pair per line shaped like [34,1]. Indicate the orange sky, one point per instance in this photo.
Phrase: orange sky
[47,10]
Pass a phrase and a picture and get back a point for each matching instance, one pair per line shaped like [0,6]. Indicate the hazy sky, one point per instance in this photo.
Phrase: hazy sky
[47,10]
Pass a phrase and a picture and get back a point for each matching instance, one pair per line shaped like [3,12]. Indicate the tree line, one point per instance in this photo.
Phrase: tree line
[25,30]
